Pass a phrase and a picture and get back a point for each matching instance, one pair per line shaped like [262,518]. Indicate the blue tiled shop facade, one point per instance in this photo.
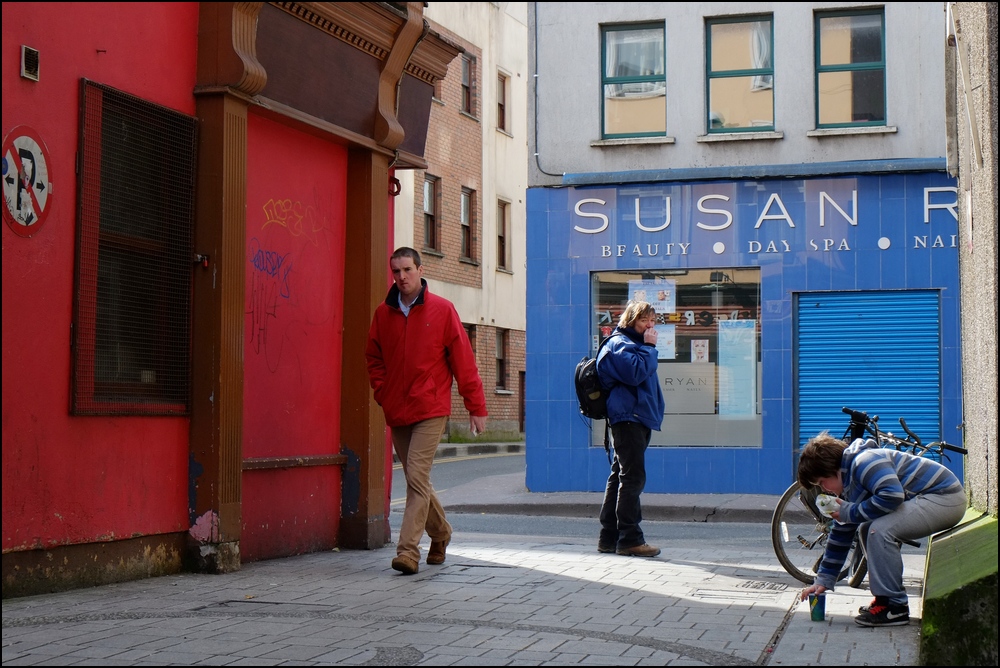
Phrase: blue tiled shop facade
[893,232]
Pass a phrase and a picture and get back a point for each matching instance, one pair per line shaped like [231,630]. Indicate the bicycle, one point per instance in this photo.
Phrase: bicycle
[799,531]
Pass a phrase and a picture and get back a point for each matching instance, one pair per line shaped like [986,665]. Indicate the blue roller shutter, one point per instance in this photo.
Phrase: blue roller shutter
[879,352]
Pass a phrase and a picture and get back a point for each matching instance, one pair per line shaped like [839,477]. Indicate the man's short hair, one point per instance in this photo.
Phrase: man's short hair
[406,251]
[821,458]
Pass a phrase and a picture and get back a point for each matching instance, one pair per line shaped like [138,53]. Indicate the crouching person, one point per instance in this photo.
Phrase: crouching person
[889,495]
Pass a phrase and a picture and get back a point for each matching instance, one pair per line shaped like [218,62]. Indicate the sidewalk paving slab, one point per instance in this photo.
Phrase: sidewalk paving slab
[498,600]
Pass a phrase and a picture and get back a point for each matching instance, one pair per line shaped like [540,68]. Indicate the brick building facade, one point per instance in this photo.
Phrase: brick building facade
[459,198]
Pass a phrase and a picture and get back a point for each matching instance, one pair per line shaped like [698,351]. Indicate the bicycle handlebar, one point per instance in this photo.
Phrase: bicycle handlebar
[910,433]
[860,418]
[949,446]
[856,416]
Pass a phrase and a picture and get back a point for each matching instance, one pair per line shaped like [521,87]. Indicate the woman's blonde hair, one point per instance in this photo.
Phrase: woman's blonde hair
[633,311]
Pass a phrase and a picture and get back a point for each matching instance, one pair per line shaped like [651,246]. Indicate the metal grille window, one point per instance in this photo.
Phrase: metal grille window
[468,234]
[740,74]
[431,241]
[850,69]
[131,314]
[634,81]
[502,262]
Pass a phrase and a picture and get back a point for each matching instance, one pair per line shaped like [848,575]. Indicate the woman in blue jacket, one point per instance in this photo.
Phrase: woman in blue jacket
[627,365]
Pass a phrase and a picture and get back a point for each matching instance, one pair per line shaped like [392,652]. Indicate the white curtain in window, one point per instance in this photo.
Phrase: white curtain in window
[613,42]
[632,53]
[760,53]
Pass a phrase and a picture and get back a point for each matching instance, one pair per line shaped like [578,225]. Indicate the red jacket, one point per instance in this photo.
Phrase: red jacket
[412,360]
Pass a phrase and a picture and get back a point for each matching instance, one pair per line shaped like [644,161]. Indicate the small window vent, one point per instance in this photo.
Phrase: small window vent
[29,63]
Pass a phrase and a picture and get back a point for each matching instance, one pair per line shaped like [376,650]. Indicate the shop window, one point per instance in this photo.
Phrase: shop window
[134,256]
[634,81]
[740,74]
[709,348]
[850,69]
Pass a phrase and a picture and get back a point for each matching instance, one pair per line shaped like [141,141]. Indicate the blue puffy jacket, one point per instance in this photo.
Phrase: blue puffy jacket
[627,365]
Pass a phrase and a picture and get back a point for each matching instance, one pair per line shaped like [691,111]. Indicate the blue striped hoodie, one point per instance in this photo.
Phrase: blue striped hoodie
[876,481]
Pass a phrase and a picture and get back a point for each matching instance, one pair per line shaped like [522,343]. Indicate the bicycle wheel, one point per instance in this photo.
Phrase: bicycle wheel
[799,534]
[860,569]
[858,561]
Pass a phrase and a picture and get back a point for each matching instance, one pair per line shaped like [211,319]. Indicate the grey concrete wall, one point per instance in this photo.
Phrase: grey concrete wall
[959,625]
[975,25]
[564,113]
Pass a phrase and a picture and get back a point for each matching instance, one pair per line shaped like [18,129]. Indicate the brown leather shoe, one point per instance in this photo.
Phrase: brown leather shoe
[644,550]
[436,554]
[405,565]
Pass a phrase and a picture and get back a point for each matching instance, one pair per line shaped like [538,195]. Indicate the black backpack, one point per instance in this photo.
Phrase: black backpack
[593,397]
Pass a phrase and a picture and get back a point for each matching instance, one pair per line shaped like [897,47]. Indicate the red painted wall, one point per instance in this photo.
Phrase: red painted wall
[71,479]
[293,337]
[389,464]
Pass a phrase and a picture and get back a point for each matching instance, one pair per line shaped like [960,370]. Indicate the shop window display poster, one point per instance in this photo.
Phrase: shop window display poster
[665,342]
[661,293]
[737,367]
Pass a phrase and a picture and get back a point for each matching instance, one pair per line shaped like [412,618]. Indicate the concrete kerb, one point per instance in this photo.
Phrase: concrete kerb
[471,449]
[507,494]
[446,450]
[657,507]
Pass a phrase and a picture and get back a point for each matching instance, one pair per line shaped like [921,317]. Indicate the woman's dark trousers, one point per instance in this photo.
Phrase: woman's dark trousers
[621,512]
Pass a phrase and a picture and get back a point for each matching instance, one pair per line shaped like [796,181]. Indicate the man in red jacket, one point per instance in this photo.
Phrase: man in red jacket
[416,347]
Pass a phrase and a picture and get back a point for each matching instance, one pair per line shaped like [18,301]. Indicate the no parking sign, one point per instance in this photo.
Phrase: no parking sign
[27,191]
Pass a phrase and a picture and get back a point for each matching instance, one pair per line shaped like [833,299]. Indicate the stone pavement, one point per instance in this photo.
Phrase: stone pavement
[498,600]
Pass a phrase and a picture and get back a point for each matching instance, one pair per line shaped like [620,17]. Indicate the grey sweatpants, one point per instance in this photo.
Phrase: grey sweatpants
[917,518]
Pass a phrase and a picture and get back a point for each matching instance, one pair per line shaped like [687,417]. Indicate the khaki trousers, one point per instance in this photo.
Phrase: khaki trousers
[416,445]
